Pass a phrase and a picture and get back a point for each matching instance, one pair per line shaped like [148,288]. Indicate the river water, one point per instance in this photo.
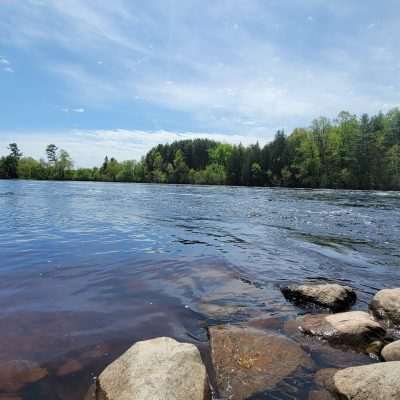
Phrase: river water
[87,269]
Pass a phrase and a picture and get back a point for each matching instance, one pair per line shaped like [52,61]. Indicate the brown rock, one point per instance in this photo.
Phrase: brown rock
[10,397]
[324,377]
[14,375]
[247,360]
[330,295]
[320,395]
[69,367]
[385,306]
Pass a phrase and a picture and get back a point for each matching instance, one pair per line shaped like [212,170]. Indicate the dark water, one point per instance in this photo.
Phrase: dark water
[87,269]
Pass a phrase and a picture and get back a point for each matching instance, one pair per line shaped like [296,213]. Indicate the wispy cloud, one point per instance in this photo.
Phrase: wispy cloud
[240,68]
[122,144]
[74,110]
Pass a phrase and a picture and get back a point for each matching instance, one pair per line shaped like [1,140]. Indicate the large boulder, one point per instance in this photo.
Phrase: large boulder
[354,328]
[391,352]
[331,295]
[157,369]
[369,382]
[248,360]
[385,306]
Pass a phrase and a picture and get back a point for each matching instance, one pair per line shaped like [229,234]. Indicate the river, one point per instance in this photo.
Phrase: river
[87,269]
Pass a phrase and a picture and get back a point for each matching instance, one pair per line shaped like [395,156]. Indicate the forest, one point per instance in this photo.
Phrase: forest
[348,152]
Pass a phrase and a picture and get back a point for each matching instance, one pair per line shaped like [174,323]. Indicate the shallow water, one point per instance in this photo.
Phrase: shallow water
[87,269]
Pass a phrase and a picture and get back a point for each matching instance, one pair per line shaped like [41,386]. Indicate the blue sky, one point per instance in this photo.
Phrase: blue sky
[116,77]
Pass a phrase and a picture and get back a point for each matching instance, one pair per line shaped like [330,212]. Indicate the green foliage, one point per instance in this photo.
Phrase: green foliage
[349,152]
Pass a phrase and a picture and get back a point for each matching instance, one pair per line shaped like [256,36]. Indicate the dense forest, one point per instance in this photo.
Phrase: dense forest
[349,152]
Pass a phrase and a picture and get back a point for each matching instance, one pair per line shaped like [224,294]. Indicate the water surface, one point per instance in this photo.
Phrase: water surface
[87,269]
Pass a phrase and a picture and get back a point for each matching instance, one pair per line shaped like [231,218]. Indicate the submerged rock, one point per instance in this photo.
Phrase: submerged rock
[369,382]
[391,352]
[15,374]
[354,328]
[157,369]
[248,360]
[330,295]
[69,367]
[385,306]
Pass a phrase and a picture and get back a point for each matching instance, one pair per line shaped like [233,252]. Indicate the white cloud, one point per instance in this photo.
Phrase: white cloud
[75,110]
[4,61]
[251,66]
[8,69]
[119,143]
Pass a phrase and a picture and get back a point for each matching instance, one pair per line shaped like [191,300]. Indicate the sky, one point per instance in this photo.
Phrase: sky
[117,77]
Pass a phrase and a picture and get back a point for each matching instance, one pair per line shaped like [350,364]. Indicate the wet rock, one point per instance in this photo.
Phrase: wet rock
[354,328]
[324,378]
[10,397]
[369,382]
[248,360]
[331,295]
[157,369]
[391,352]
[14,375]
[320,395]
[385,306]
[220,311]
[69,367]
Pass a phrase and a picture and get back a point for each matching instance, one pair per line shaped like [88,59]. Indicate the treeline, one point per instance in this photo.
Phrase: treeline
[349,152]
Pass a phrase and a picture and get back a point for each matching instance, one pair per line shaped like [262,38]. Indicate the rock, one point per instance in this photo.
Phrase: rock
[385,306]
[330,295]
[354,328]
[324,377]
[69,367]
[391,352]
[320,395]
[14,375]
[157,369]
[248,360]
[369,382]
[10,397]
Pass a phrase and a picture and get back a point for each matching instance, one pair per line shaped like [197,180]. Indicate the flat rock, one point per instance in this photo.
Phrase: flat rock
[391,352]
[330,295]
[354,328]
[385,306]
[15,374]
[248,360]
[369,382]
[157,369]
[69,367]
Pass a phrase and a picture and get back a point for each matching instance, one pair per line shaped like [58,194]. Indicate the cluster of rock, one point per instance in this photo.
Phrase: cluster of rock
[248,361]
[364,331]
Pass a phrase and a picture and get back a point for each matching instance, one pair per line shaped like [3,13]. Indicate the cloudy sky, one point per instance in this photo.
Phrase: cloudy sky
[116,77]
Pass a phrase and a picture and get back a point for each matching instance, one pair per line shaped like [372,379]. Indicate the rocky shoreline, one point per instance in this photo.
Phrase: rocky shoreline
[250,357]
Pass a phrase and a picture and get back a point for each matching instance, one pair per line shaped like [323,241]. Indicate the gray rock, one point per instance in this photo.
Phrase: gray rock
[331,295]
[391,352]
[248,360]
[354,328]
[157,369]
[385,306]
[369,382]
